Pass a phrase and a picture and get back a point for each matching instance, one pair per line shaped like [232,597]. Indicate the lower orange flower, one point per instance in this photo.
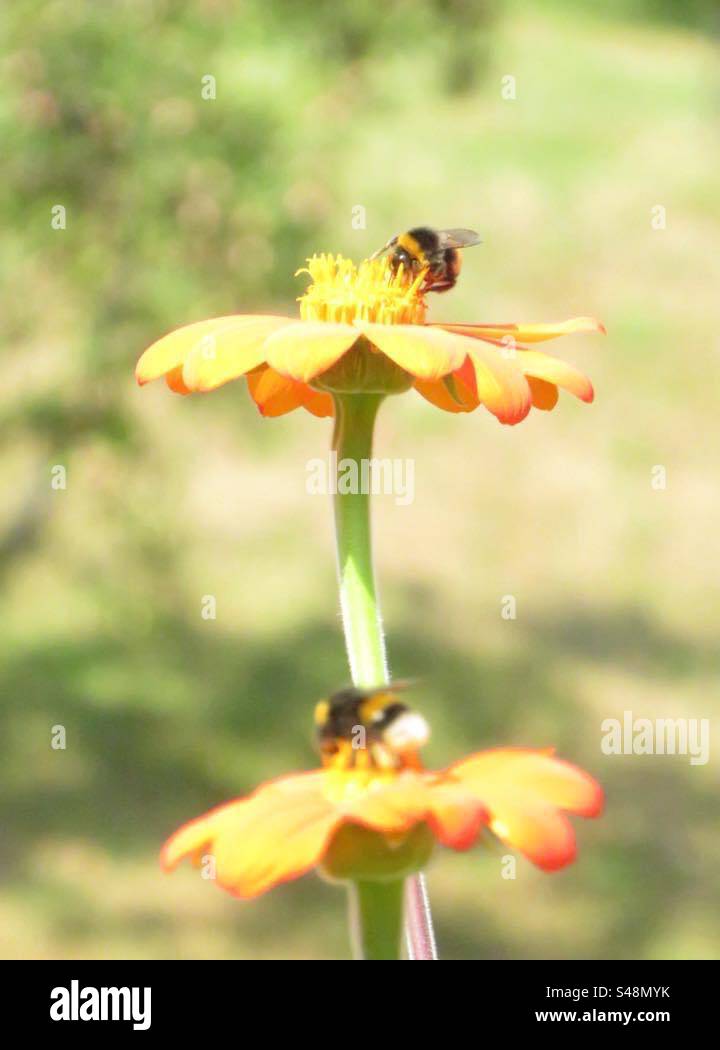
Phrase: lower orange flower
[373,823]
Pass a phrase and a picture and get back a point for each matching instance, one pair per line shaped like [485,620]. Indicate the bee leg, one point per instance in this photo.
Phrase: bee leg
[441,286]
[385,248]
[363,758]
[343,756]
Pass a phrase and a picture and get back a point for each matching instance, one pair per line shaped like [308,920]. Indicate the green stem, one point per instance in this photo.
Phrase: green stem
[354,423]
[376,908]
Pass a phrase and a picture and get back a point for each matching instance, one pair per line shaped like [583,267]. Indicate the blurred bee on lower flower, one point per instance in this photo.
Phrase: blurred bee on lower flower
[436,251]
[363,728]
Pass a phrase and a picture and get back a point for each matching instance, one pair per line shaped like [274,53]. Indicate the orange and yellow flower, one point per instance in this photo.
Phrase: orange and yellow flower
[375,823]
[364,328]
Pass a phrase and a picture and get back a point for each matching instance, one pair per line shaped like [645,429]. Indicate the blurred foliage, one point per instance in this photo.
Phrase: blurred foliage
[696,14]
[180,207]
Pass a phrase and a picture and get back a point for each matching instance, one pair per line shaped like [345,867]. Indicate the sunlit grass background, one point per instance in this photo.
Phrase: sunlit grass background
[179,208]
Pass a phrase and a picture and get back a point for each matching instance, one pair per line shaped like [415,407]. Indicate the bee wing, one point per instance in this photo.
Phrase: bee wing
[458,238]
[398,686]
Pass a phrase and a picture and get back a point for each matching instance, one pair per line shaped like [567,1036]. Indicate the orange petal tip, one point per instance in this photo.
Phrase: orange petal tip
[584,324]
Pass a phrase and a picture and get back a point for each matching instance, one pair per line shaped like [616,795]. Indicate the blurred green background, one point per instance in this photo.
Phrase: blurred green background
[180,208]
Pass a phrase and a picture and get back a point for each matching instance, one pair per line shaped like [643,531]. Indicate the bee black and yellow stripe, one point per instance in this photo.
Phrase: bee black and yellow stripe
[409,243]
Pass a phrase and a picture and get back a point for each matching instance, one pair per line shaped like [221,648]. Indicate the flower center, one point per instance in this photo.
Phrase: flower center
[374,759]
[374,290]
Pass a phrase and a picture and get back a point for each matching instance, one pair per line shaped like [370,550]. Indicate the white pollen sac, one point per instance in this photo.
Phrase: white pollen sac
[407,732]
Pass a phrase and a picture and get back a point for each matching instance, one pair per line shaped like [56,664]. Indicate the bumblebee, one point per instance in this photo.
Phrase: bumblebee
[363,728]
[436,251]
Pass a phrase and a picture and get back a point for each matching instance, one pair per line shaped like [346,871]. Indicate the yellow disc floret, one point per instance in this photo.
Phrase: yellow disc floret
[342,291]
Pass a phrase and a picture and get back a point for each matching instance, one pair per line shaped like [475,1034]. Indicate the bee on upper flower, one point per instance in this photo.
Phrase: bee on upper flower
[434,253]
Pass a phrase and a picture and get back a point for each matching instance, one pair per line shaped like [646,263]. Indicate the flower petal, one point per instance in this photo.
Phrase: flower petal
[544,366]
[427,353]
[304,349]
[510,334]
[276,834]
[274,395]
[318,402]
[193,839]
[391,804]
[456,818]
[543,834]
[500,384]
[462,384]
[456,392]
[544,395]
[171,350]
[395,805]
[485,377]
[535,773]
[281,836]
[437,394]
[523,791]
[553,370]
[174,380]
[228,353]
